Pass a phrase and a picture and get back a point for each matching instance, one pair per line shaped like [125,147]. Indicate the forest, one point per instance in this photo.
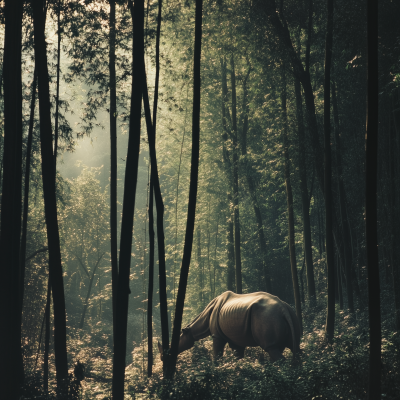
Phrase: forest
[158,158]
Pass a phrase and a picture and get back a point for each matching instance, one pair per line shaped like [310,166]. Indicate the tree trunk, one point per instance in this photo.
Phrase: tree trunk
[131,174]
[10,307]
[330,317]
[215,254]
[371,165]
[200,270]
[238,259]
[180,301]
[304,195]
[49,193]
[287,49]
[26,195]
[151,285]
[57,82]
[208,254]
[47,339]
[231,251]
[228,172]
[88,293]
[339,283]
[342,205]
[113,167]
[151,211]
[289,198]
[160,226]
[393,225]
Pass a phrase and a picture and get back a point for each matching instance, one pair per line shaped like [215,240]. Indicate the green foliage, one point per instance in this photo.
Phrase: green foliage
[323,371]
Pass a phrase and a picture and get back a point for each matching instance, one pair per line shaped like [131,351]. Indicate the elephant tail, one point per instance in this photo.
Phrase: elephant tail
[290,321]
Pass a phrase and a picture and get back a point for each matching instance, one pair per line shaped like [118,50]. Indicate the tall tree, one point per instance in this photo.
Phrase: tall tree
[10,352]
[131,172]
[342,204]
[330,316]
[56,135]
[228,171]
[26,195]
[49,191]
[235,162]
[305,202]
[303,75]
[289,198]
[194,171]
[160,226]
[113,163]
[371,168]
[151,208]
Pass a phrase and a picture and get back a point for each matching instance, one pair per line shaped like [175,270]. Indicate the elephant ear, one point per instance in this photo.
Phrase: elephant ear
[185,330]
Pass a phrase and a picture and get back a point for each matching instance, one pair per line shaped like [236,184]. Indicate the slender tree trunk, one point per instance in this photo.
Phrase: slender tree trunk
[309,33]
[57,82]
[160,227]
[113,166]
[192,190]
[330,317]
[88,293]
[304,195]
[303,300]
[303,75]
[10,307]
[151,285]
[131,174]
[26,195]
[374,303]
[47,339]
[215,253]
[208,253]
[25,209]
[339,283]
[151,210]
[289,197]
[342,205]
[238,259]
[49,190]
[200,271]
[228,172]
[393,224]
[230,250]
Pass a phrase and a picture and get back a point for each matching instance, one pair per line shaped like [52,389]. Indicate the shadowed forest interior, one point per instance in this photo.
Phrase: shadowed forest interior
[157,154]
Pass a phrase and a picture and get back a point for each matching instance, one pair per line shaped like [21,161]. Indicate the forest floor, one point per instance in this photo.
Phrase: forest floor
[323,371]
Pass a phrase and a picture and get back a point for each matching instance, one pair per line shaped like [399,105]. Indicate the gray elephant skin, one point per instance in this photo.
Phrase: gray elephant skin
[245,320]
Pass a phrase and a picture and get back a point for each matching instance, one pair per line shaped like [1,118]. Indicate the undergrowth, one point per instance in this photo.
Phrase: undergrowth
[338,370]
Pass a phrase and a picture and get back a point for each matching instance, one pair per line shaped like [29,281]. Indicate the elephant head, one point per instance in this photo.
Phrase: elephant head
[186,341]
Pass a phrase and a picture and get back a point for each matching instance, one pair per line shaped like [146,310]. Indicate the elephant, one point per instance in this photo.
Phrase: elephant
[242,320]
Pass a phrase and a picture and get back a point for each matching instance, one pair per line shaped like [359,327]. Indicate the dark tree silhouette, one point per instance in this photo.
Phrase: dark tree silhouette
[10,307]
[194,171]
[235,185]
[49,191]
[113,163]
[371,168]
[289,200]
[330,315]
[131,173]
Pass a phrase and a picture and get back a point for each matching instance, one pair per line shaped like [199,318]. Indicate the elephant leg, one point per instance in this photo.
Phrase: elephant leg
[275,354]
[218,347]
[239,351]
